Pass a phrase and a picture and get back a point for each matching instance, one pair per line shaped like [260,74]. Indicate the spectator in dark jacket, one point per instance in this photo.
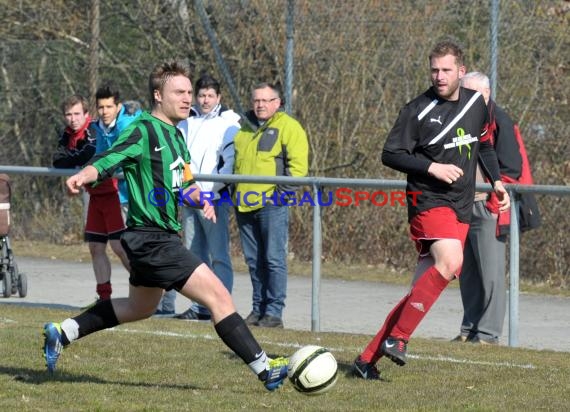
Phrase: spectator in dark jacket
[76,145]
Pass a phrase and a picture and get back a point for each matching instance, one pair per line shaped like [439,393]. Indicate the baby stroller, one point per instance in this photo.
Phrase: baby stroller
[12,280]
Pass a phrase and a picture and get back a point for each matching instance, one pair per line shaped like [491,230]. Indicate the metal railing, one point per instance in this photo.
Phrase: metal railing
[317,183]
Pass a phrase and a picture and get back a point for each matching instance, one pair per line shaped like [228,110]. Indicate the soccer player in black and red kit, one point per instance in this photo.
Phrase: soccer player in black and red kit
[437,141]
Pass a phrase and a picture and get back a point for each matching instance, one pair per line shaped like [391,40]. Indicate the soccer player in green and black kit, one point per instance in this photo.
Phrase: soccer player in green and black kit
[155,163]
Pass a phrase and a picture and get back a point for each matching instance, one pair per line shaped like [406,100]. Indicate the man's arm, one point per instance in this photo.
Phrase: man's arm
[398,152]
[295,156]
[192,192]
[227,151]
[506,145]
[410,164]
[61,159]
[226,156]
[488,161]
[65,158]
[400,144]
[87,175]
[490,166]
[404,162]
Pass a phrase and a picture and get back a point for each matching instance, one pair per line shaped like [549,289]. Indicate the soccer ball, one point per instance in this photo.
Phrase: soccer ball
[312,370]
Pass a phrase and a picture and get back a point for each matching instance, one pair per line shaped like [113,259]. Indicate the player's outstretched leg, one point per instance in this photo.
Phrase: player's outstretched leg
[236,335]
[204,287]
[99,317]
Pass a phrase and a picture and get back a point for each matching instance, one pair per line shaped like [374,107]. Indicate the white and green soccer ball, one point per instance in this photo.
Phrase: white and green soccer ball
[312,370]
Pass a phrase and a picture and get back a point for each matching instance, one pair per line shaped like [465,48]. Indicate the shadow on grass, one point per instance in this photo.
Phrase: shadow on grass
[36,377]
[344,368]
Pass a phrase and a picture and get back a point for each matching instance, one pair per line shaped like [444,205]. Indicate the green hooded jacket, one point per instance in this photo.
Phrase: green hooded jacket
[279,147]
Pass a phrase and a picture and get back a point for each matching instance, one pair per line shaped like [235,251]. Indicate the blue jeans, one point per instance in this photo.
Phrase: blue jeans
[167,302]
[264,235]
[211,243]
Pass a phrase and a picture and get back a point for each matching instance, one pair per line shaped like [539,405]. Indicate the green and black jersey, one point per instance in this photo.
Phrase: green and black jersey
[155,162]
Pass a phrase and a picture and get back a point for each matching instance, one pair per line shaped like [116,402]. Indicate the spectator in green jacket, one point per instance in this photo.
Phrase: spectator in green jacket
[271,143]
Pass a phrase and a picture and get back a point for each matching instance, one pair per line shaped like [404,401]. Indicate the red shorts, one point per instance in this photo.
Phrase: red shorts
[104,218]
[435,224]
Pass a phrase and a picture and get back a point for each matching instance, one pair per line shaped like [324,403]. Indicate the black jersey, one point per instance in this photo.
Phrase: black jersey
[431,129]
[155,162]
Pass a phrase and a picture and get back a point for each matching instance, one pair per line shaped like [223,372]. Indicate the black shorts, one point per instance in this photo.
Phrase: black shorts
[158,258]
[100,238]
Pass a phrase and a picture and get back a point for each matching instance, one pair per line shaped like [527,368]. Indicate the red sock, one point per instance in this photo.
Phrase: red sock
[404,318]
[420,300]
[372,352]
[104,290]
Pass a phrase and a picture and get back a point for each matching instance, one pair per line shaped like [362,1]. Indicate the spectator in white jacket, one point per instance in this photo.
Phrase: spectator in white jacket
[209,133]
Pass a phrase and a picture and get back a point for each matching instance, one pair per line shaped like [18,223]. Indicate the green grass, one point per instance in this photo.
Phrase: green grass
[170,365]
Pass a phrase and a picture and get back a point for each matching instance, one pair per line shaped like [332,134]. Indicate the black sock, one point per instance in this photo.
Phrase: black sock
[99,317]
[236,335]
[64,340]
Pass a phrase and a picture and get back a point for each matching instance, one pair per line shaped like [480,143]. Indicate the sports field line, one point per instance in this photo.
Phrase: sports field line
[292,345]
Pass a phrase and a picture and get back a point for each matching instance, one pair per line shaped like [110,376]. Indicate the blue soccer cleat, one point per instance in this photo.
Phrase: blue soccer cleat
[277,373]
[52,344]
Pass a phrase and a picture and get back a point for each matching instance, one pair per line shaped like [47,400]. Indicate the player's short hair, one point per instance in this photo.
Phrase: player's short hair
[445,47]
[72,100]
[164,72]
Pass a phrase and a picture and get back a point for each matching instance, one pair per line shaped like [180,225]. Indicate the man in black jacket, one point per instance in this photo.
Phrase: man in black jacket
[76,146]
[103,222]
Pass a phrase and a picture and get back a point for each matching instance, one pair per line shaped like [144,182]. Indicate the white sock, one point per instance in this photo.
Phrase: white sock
[260,364]
[71,329]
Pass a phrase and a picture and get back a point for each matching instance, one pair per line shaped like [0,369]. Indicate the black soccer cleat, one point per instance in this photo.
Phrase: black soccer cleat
[395,349]
[364,370]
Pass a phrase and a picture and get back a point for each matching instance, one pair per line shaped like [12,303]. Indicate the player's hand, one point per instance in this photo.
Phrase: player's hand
[445,172]
[74,184]
[87,175]
[502,195]
[209,211]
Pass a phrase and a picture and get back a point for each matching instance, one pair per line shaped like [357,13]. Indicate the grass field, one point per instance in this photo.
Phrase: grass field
[166,365]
